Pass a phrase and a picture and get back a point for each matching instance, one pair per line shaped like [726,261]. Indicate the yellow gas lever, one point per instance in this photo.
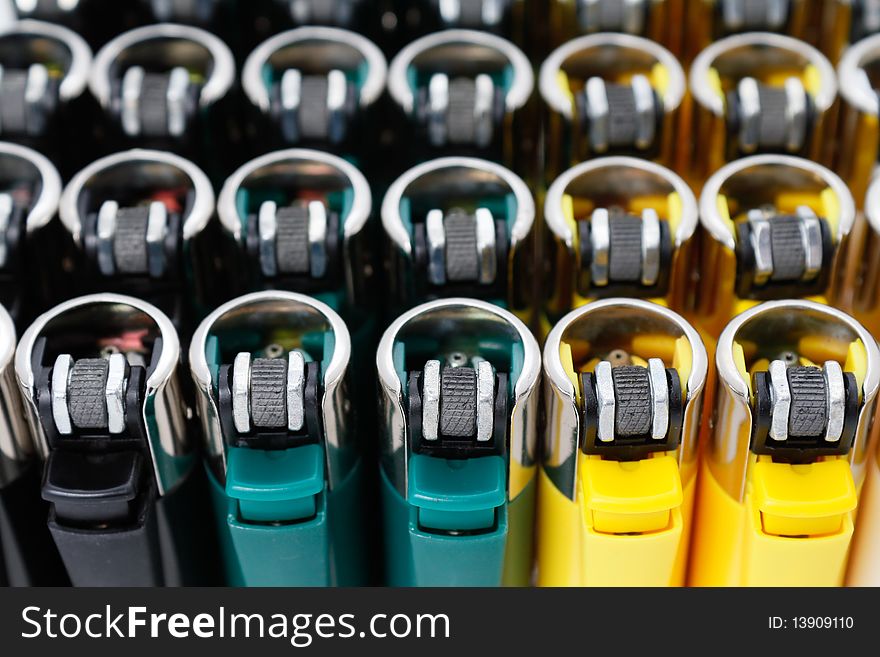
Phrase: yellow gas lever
[629,497]
[806,500]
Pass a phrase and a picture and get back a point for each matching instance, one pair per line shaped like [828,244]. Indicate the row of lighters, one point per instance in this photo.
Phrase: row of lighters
[622,455]
[625,435]
[719,434]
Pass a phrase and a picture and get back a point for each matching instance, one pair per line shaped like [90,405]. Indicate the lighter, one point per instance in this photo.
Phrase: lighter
[858,291]
[610,94]
[140,221]
[94,20]
[462,92]
[844,22]
[623,386]
[657,20]
[205,13]
[787,449]
[316,86]
[166,86]
[759,93]
[776,227]
[617,226]
[299,220]
[98,375]
[504,17]
[863,568]
[858,137]
[459,401]
[459,226]
[30,188]
[281,441]
[344,13]
[707,21]
[44,70]
[27,554]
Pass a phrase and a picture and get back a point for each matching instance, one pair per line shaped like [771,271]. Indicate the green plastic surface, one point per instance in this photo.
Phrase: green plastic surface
[327,550]
[456,495]
[415,557]
[275,485]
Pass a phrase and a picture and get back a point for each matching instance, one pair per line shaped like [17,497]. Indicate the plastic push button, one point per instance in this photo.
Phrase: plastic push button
[457,495]
[275,485]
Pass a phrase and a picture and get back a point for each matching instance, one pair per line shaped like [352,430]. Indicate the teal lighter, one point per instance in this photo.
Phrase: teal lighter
[458,400]
[271,371]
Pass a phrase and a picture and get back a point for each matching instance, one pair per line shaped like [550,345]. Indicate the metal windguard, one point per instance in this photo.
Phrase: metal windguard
[23,167]
[808,329]
[138,173]
[468,50]
[604,55]
[43,43]
[259,315]
[451,181]
[856,87]
[465,325]
[315,49]
[92,323]
[599,328]
[298,171]
[16,448]
[612,185]
[753,55]
[165,45]
[755,181]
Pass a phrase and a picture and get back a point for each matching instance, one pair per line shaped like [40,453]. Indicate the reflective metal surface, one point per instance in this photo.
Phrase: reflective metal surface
[303,169]
[448,179]
[170,45]
[16,448]
[599,328]
[607,184]
[620,177]
[468,50]
[447,323]
[744,55]
[760,178]
[19,164]
[48,42]
[88,319]
[315,48]
[856,86]
[259,314]
[813,331]
[611,53]
[139,170]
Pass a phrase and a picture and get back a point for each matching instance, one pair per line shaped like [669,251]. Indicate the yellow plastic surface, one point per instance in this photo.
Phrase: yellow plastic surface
[629,496]
[714,81]
[573,552]
[660,78]
[803,500]
[572,208]
[564,85]
[731,547]
[812,80]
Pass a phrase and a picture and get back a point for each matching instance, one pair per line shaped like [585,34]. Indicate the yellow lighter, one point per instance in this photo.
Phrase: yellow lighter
[787,449]
[775,227]
[759,92]
[618,226]
[864,564]
[858,136]
[610,94]
[657,20]
[623,386]
[859,286]
[707,21]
